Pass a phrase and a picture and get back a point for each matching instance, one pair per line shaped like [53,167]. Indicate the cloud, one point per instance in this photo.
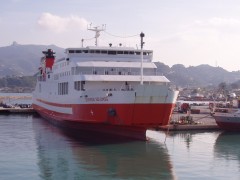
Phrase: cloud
[59,24]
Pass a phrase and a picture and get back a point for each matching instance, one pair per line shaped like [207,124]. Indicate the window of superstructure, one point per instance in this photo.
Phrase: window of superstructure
[131,52]
[125,52]
[104,52]
[144,53]
[112,52]
[138,53]
[97,51]
[71,51]
[78,51]
[85,51]
[91,51]
[82,85]
[63,88]
[66,84]
[119,52]
[77,85]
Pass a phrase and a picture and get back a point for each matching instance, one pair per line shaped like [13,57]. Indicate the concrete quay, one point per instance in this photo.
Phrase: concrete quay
[17,110]
[201,121]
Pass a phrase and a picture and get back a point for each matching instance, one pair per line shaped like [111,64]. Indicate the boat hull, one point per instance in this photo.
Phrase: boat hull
[128,120]
[99,130]
[227,121]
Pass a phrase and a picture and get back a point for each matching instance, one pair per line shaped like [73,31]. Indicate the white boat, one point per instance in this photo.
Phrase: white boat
[228,119]
[115,91]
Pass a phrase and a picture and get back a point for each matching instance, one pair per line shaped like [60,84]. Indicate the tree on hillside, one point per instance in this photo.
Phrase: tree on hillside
[222,88]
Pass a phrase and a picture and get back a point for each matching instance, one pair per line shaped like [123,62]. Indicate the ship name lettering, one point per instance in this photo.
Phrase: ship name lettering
[96,99]
[89,99]
[101,99]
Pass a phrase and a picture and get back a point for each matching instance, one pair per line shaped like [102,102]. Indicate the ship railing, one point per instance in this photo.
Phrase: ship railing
[136,73]
[122,88]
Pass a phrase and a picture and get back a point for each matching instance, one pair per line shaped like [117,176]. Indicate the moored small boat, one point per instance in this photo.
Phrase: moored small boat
[228,119]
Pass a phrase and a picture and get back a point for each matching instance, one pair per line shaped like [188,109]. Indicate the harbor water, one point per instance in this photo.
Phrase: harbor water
[31,148]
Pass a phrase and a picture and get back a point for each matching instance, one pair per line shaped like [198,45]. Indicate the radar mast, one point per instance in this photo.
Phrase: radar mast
[97,31]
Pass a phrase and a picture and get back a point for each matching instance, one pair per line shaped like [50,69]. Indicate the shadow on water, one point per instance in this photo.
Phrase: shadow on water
[65,156]
[94,139]
[85,137]
[227,146]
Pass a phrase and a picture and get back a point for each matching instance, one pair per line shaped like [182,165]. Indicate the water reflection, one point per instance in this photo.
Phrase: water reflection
[64,157]
[227,146]
[184,136]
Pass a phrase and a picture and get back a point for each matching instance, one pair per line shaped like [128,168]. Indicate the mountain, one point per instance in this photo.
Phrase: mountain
[202,75]
[23,60]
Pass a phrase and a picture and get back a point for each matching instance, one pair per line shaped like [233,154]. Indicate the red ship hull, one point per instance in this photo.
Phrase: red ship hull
[128,120]
[229,126]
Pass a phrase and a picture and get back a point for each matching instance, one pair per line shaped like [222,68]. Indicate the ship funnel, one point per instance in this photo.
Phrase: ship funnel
[49,58]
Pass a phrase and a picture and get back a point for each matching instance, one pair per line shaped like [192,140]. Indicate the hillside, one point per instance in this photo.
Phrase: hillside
[202,75]
[23,60]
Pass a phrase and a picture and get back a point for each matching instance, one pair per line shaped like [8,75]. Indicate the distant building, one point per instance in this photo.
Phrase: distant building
[197,95]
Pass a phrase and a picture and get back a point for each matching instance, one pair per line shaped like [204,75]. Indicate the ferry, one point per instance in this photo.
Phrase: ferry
[104,90]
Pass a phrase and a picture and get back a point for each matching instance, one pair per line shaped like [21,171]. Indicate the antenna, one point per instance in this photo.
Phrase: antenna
[97,31]
[142,43]
[82,42]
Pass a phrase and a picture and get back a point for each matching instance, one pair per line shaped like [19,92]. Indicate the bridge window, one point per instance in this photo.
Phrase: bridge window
[120,52]
[112,52]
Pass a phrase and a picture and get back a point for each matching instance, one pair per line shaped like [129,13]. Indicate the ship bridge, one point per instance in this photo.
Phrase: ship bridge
[95,53]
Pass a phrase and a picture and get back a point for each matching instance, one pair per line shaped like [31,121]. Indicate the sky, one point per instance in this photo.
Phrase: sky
[188,32]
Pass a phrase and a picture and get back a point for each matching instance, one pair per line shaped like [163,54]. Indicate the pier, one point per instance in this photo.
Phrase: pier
[202,120]
[16,104]
[17,110]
